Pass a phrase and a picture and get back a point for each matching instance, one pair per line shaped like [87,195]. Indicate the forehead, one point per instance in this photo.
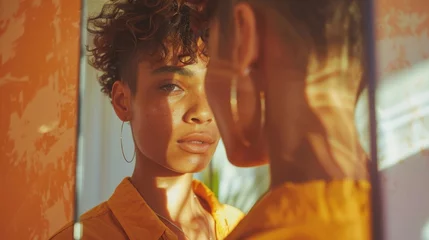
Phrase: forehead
[175,62]
[181,57]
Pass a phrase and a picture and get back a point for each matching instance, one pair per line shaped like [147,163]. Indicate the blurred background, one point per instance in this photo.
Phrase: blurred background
[39,52]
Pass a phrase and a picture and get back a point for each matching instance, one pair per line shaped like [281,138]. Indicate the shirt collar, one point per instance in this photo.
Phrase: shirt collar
[205,193]
[217,209]
[128,206]
[137,219]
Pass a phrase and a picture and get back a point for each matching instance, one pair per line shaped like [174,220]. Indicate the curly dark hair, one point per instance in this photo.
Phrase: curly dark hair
[126,30]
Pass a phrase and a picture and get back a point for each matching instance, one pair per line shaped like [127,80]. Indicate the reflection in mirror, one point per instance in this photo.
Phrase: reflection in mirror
[168,127]
[166,122]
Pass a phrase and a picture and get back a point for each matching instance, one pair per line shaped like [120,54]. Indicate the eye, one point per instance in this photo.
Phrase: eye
[171,88]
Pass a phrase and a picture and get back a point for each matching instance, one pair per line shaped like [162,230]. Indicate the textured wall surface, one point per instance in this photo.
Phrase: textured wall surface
[402,33]
[403,43]
[38,77]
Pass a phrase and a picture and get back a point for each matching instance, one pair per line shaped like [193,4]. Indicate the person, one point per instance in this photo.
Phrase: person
[283,81]
[153,67]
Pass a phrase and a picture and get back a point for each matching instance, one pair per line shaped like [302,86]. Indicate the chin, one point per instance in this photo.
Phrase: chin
[199,166]
[190,164]
[244,157]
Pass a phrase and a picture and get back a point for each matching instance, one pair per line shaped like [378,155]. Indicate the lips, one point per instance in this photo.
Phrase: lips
[196,143]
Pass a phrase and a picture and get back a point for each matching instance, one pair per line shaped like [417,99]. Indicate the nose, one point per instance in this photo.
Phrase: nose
[199,111]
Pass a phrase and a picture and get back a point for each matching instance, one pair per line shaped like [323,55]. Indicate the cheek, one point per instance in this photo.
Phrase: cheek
[218,97]
[153,128]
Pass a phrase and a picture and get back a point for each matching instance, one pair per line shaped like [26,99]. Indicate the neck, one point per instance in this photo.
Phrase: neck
[169,194]
[311,134]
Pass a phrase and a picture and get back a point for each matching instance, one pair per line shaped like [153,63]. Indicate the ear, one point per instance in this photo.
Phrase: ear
[121,100]
[246,39]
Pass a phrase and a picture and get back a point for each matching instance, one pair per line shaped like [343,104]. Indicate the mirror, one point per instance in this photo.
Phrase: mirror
[106,145]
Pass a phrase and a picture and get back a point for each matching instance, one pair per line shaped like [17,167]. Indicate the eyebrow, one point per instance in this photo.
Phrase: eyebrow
[173,69]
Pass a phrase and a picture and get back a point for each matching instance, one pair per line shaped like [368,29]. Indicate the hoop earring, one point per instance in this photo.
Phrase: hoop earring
[122,147]
[234,108]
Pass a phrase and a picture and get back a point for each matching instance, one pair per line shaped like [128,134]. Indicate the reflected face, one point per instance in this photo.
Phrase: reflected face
[171,121]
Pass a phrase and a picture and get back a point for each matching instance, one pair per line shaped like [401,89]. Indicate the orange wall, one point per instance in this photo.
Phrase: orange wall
[38,77]
[402,33]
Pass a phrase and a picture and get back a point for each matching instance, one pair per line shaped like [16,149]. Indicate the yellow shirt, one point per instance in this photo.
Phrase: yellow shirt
[127,216]
[337,210]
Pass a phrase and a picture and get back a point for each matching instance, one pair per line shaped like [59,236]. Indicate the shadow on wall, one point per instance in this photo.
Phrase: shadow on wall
[38,75]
